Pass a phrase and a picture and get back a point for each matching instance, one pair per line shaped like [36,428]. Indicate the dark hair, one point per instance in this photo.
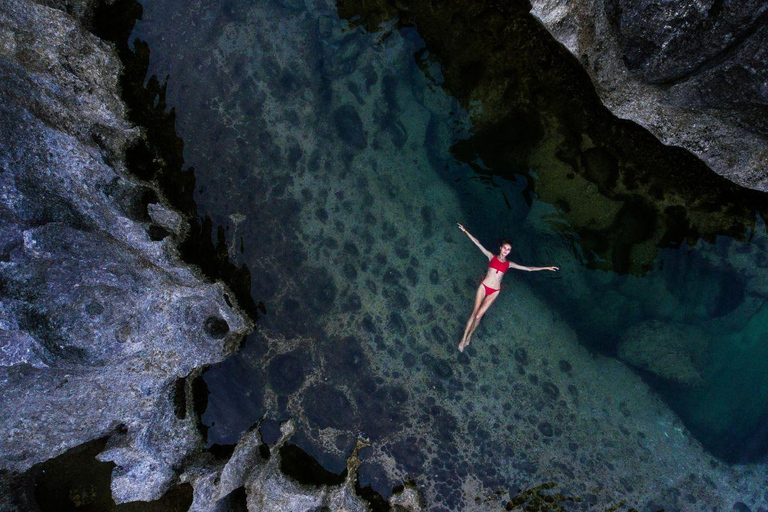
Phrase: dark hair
[503,241]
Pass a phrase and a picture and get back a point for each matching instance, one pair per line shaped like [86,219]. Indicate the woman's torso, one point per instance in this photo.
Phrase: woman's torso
[495,273]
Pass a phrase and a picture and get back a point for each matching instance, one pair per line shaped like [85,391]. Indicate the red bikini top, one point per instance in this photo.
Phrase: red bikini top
[499,266]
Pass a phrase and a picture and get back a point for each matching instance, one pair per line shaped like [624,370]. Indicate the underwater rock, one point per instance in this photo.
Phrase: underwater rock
[286,373]
[600,167]
[550,390]
[408,455]
[672,351]
[546,429]
[692,73]
[397,324]
[349,126]
[326,406]
[321,291]
[353,303]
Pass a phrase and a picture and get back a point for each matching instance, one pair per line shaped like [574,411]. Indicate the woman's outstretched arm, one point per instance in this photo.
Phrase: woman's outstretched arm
[532,269]
[488,253]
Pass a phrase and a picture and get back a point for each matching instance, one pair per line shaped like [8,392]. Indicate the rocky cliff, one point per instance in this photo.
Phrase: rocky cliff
[693,73]
[100,322]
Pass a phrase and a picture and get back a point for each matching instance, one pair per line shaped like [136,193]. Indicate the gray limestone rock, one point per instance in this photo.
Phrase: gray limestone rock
[267,488]
[168,219]
[18,347]
[97,320]
[82,10]
[693,73]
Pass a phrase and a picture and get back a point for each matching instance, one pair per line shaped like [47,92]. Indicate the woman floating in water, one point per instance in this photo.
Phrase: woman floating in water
[489,288]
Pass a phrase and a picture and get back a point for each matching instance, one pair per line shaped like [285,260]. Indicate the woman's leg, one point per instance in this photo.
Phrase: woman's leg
[479,296]
[483,308]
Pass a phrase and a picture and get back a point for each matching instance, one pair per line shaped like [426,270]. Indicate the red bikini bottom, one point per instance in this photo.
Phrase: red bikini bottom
[489,290]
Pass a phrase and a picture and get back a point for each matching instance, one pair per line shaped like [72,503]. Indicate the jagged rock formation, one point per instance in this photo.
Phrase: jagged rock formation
[255,467]
[693,73]
[98,316]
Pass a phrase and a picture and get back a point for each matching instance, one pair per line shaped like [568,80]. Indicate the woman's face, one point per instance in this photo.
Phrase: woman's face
[505,249]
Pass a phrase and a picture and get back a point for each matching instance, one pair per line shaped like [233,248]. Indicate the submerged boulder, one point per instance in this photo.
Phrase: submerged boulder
[675,352]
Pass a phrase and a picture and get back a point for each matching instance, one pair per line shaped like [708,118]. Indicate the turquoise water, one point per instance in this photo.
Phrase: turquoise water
[338,164]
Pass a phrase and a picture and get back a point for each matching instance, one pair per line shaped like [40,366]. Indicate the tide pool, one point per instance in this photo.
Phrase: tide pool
[337,155]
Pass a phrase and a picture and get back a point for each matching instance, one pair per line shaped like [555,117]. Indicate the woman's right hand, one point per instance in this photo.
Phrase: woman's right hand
[461,227]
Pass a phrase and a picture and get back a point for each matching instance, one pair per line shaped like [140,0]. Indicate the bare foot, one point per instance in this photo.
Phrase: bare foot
[461,346]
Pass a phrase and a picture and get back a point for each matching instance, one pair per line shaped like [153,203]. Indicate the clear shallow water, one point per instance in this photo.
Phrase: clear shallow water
[339,168]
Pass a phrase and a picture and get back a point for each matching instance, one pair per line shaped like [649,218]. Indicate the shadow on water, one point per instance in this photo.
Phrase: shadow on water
[77,481]
[641,217]
[303,468]
[158,155]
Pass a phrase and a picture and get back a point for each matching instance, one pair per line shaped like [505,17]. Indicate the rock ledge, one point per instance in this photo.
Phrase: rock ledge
[692,73]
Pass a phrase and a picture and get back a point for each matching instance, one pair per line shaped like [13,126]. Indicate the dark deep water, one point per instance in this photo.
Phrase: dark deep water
[337,148]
